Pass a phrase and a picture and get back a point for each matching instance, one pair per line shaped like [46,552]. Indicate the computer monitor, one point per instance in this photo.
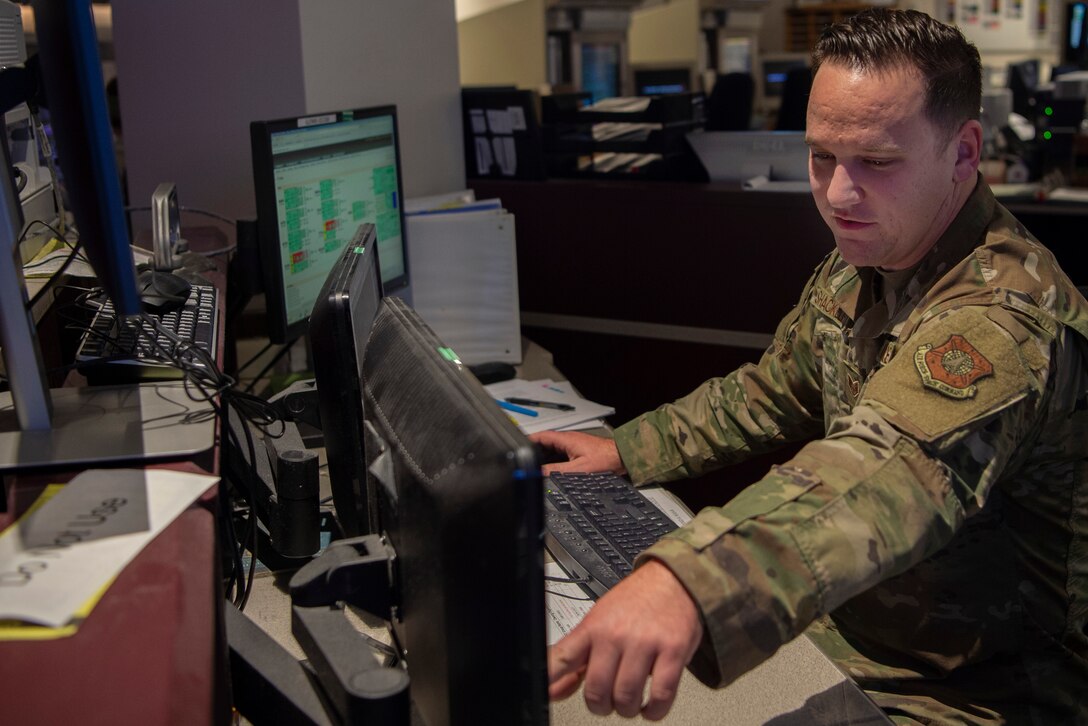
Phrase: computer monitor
[600,63]
[344,313]
[1022,79]
[741,156]
[76,97]
[1075,35]
[662,81]
[773,69]
[66,426]
[316,179]
[462,506]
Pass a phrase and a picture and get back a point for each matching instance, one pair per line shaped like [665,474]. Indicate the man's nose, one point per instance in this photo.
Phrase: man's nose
[843,190]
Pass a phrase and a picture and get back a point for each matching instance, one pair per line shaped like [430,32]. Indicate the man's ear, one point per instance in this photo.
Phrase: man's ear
[968,150]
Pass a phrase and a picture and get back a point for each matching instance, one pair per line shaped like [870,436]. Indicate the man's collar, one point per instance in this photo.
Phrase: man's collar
[962,235]
[957,242]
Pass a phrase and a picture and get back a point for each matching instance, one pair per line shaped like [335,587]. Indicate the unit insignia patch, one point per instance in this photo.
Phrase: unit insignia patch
[952,368]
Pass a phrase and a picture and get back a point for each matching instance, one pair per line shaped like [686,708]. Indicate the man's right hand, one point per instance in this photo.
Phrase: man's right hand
[646,628]
[584,452]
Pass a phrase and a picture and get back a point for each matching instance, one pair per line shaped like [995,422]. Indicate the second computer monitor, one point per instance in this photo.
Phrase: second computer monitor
[316,179]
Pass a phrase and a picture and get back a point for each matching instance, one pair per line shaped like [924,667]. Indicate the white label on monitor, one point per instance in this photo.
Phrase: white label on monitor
[327,118]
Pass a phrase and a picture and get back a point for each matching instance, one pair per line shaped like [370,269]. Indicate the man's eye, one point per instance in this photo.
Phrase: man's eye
[822,156]
[877,163]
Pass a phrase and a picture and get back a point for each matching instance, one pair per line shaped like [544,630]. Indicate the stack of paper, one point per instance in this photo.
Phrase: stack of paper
[582,414]
[465,274]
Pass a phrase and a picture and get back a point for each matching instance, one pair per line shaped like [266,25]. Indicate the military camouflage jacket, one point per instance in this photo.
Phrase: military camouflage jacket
[940,517]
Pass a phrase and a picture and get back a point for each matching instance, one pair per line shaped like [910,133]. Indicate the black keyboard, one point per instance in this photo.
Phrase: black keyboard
[597,524]
[133,350]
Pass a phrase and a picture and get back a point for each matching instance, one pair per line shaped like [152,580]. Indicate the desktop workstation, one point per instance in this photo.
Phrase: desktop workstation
[559,715]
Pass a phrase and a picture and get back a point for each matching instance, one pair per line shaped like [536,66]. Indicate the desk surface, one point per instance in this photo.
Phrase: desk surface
[799,685]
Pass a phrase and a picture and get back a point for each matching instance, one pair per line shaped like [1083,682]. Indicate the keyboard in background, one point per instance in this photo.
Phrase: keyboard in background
[130,351]
[597,524]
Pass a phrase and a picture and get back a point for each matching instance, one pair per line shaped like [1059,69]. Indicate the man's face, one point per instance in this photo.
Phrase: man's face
[882,175]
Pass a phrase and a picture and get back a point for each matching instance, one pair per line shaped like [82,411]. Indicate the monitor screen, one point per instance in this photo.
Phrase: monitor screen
[1075,50]
[316,178]
[662,81]
[340,324]
[600,70]
[461,503]
[775,71]
[735,54]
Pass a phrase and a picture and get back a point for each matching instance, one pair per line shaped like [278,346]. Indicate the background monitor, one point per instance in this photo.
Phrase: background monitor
[1022,79]
[339,326]
[662,81]
[462,506]
[773,69]
[600,63]
[70,425]
[316,179]
[1075,35]
[76,97]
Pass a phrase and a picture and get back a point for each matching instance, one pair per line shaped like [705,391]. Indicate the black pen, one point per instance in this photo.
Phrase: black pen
[540,404]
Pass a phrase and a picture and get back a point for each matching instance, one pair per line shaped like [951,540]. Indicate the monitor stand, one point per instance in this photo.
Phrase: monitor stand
[109,425]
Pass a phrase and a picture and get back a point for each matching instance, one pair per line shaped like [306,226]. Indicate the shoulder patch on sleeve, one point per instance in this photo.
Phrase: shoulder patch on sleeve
[952,367]
[953,370]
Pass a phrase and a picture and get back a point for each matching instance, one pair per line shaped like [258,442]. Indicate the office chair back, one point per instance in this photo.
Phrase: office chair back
[794,107]
[729,106]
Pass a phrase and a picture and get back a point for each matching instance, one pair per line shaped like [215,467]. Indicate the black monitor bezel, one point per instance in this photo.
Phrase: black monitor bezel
[264,190]
[467,536]
[339,324]
[75,95]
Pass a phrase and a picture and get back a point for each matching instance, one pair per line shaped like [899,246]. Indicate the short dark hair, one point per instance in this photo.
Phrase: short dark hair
[881,39]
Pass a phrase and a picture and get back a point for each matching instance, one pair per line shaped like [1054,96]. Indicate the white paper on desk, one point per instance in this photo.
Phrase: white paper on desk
[1068,194]
[45,583]
[669,505]
[547,419]
[596,423]
[564,602]
[49,264]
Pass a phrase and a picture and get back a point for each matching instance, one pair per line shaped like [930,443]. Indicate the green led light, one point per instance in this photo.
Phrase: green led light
[1047,135]
[1049,111]
[449,355]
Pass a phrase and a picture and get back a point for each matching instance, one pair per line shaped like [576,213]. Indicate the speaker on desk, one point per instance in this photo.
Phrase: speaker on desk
[729,106]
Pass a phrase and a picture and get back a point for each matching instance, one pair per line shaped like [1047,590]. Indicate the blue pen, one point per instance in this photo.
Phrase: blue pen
[517,409]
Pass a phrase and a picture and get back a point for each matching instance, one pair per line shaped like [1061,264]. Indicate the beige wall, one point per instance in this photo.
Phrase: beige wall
[665,33]
[504,46]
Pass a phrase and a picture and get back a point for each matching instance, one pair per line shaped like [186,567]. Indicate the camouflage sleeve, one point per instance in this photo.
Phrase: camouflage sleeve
[725,420]
[888,486]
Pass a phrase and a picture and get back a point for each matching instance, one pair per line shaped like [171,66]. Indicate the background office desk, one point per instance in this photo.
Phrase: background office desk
[643,290]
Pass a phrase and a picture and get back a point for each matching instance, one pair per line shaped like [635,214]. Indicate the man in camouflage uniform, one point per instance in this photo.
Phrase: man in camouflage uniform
[936,537]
